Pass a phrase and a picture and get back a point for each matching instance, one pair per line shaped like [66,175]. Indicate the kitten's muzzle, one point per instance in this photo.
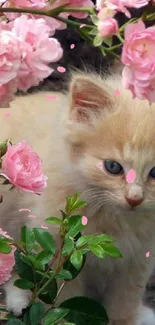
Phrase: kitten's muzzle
[134,201]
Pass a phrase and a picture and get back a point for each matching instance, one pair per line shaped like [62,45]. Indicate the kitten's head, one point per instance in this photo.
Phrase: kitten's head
[109,134]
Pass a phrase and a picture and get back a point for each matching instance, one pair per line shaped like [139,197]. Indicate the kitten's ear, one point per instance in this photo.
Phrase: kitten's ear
[89,98]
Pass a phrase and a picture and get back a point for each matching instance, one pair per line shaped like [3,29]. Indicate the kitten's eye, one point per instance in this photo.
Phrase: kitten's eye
[152,172]
[113,167]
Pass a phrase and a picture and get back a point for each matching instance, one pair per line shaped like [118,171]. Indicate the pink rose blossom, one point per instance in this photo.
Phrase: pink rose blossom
[108,27]
[23,168]
[36,4]
[10,56]
[121,5]
[37,48]
[7,262]
[138,58]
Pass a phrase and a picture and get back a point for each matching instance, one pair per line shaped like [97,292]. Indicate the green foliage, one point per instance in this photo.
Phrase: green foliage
[85,311]
[44,267]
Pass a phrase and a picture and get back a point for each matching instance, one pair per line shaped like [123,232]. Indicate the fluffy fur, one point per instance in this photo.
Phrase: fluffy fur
[72,136]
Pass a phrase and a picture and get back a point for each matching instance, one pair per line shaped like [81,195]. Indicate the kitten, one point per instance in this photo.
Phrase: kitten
[73,137]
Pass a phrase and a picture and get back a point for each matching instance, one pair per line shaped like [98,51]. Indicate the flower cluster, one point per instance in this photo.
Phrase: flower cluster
[27,47]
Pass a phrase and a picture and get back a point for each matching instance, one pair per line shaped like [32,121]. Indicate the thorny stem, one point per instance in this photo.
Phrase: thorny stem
[51,13]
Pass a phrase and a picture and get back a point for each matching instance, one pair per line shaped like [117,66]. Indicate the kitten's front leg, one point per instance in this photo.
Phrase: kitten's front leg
[16,299]
[145,316]
[123,297]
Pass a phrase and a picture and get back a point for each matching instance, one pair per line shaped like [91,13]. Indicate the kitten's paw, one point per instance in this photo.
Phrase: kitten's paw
[17,300]
[146,316]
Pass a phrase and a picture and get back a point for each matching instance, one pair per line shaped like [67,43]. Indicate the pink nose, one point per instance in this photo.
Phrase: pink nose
[134,201]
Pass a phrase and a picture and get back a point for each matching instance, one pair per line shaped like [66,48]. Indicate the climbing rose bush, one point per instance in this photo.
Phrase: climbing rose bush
[28,46]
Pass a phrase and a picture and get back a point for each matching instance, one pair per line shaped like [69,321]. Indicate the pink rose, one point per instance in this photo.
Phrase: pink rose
[23,168]
[108,27]
[37,49]
[10,56]
[138,58]
[7,262]
[121,5]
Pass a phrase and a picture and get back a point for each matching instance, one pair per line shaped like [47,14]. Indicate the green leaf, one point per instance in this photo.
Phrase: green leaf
[74,272]
[5,248]
[44,257]
[73,203]
[75,225]
[111,250]
[68,246]
[77,259]
[36,313]
[64,274]
[14,322]
[53,316]
[108,41]
[28,238]
[83,240]
[24,269]
[97,250]
[99,239]
[94,19]
[97,40]
[50,292]
[36,263]
[45,240]
[53,221]
[69,324]
[24,284]
[84,310]
[93,32]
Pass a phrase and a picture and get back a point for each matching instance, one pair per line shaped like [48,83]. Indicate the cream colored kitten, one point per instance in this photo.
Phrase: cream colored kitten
[72,138]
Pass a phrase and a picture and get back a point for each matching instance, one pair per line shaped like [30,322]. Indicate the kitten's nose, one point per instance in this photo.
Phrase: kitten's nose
[134,201]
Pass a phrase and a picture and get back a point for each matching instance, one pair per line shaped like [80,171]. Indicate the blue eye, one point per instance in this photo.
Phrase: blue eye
[152,172]
[113,167]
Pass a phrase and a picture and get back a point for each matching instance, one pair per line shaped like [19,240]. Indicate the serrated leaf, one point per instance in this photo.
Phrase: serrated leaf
[99,239]
[77,259]
[97,250]
[45,240]
[44,257]
[36,313]
[84,310]
[64,274]
[83,240]
[53,316]
[75,225]
[53,221]
[28,238]
[68,246]
[24,284]
[97,40]
[33,261]
[111,250]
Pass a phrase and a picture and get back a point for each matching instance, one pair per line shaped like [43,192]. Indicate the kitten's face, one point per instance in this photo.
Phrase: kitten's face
[123,140]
